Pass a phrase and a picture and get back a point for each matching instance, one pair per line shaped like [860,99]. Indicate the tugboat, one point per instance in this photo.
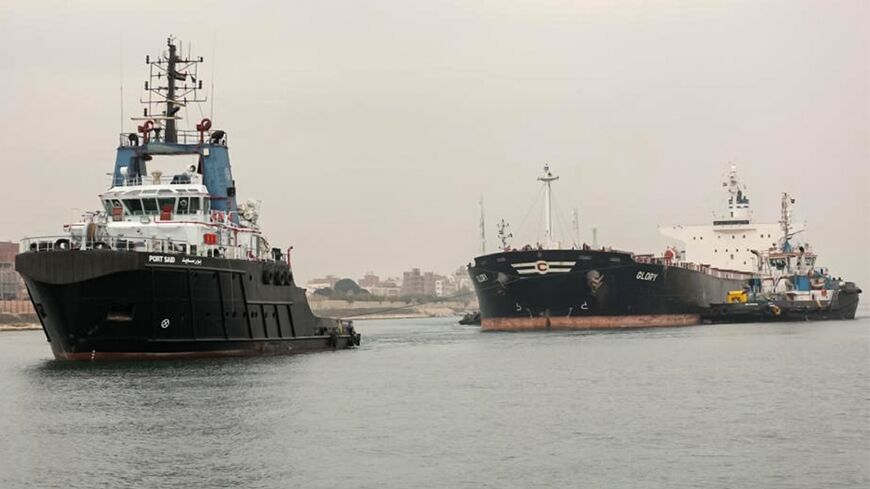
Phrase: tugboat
[788,285]
[172,266]
[583,287]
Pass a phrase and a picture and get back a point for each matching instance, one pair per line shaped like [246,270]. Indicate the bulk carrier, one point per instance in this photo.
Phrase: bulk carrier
[548,287]
[172,266]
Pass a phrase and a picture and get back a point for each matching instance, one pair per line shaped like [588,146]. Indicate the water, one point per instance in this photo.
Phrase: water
[427,403]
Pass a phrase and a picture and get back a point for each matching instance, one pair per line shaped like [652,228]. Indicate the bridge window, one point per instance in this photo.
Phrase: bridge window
[134,206]
[166,202]
[149,206]
[194,205]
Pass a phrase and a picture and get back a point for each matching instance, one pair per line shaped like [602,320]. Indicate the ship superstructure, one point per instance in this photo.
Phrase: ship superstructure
[171,265]
[731,241]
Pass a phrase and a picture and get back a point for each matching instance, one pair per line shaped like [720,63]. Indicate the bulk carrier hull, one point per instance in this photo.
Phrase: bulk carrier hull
[115,305]
[590,289]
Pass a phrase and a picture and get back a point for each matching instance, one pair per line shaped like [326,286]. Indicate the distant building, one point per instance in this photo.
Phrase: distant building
[386,290]
[412,282]
[11,285]
[461,280]
[426,283]
[326,282]
[369,280]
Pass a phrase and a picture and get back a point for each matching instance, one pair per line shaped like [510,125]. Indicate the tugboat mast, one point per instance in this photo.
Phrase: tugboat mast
[785,220]
[548,204]
[171,131]
[175,69]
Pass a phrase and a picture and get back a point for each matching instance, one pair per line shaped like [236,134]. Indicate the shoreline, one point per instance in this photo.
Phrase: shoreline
[20,327]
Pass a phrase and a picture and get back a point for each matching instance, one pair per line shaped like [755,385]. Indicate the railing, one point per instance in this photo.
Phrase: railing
[127,139]
[179,179]
[138,244]
[729,274]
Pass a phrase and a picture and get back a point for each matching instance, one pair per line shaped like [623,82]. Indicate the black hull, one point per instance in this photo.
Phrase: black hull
[103,304]
[585,289]
[843,305]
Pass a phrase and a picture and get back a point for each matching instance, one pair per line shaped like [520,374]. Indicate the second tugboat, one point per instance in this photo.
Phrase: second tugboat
[173,266]
[788,285]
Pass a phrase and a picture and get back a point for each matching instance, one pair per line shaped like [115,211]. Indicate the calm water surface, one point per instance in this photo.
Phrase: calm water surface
[428,403]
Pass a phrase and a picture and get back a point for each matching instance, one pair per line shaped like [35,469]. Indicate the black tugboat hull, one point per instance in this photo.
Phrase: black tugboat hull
[585,289]
[843,305]
[104,304]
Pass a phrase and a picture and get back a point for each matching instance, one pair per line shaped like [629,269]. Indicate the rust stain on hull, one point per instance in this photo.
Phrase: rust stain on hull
[590,322]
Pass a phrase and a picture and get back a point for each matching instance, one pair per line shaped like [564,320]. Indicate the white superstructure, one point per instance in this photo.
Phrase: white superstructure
[729,243]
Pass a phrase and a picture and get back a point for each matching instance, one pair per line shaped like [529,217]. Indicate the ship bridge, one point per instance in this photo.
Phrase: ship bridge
[733,240]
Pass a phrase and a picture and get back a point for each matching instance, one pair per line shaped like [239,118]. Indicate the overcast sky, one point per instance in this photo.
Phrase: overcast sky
[369,130]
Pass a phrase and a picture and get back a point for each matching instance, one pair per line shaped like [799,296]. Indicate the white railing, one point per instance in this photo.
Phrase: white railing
[183,136]
[729,274]
[179,179]
[138,244]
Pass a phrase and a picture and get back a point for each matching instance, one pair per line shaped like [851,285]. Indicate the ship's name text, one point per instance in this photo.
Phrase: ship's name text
[160,259]
[648,276]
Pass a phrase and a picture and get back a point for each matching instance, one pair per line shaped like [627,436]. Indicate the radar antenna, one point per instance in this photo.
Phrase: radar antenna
[174,69]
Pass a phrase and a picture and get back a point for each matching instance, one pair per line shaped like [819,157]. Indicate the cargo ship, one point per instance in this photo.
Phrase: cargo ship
[172,266]
[547,286]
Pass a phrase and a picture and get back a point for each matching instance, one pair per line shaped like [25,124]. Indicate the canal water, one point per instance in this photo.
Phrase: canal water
[429,403]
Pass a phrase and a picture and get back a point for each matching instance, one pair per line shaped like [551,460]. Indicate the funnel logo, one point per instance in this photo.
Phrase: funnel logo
[543,267]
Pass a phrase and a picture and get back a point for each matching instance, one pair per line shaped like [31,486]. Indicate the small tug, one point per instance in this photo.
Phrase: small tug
[172,266]
[788,286]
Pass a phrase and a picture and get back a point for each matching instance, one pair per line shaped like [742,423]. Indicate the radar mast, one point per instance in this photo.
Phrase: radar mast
[173,83]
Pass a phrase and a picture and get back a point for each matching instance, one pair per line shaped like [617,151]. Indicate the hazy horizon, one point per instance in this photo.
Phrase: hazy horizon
[370,131]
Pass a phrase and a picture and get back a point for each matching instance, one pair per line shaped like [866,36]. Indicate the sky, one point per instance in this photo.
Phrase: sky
[371,130]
